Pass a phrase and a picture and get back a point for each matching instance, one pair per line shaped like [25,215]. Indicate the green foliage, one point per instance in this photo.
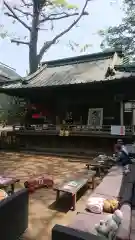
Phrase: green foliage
[64,3]
[123,35]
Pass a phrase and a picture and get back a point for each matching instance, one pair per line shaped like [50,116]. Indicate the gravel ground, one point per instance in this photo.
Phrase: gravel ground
[43,212]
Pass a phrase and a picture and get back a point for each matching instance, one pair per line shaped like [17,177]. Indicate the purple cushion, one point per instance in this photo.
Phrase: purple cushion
[132,231]
[110,186]
[115,171]
[86,221]
[133,197]
[132,169]
[130,177]
[126,193]
[124,229]
[97,195]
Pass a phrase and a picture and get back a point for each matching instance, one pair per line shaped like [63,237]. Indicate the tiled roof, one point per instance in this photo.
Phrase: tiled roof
[69,74]
[122,75]
[76,70]
[124,71]
[7,73]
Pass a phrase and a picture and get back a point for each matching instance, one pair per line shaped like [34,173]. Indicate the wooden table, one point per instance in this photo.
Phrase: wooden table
[101,165]
[98,167]
[74,184]
[6,182]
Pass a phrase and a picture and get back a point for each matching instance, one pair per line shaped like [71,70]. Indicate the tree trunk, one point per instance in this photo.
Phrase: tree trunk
[33,56]
[33,62]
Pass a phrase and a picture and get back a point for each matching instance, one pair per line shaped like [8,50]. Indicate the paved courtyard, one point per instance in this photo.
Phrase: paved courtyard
[43,212]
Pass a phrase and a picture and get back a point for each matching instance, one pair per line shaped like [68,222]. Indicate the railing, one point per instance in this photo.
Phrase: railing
[106,129]
[69,130]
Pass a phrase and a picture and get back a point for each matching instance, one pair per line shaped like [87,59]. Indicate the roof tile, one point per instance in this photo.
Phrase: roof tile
[71,71]
[68,74]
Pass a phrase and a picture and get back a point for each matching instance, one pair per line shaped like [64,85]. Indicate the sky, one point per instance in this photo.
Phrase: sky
[102,13]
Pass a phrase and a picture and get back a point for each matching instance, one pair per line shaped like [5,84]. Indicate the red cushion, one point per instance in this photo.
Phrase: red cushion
[36,182]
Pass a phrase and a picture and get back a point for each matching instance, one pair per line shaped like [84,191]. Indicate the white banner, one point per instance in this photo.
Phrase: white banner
[118,130]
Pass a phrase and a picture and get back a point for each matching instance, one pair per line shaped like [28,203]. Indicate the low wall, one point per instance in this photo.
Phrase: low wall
[73,145]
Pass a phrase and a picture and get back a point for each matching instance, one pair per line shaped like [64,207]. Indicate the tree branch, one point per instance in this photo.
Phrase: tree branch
[23,1]
[26,4]
[19,42]
[48,44]
[16,17]
[49,18]
[24,13]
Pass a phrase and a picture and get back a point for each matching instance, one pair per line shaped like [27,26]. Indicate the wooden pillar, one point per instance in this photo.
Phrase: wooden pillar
[133,121]
[121,114]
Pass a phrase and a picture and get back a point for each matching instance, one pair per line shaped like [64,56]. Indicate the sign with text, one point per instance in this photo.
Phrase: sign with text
[118,130]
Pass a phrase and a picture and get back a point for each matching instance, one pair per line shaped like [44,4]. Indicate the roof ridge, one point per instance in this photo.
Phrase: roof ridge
[7,66]
[82,58]
[3,74]
[29,77]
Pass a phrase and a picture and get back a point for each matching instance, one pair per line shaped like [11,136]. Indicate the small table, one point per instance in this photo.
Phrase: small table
[6,181]
[73,185]
[100,165]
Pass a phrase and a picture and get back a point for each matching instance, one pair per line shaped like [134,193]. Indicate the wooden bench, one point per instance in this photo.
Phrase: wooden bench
[113,185]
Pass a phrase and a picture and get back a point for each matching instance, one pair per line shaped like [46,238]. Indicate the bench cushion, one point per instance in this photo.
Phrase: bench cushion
[130,177]
[132,229]
[110,186]
[133,197]
[111,183]
[126,193]
[115,171]
[116,185]
[86,221]
[124,229]
[97,195]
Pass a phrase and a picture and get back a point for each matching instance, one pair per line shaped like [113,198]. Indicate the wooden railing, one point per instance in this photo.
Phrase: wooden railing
[69,130]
